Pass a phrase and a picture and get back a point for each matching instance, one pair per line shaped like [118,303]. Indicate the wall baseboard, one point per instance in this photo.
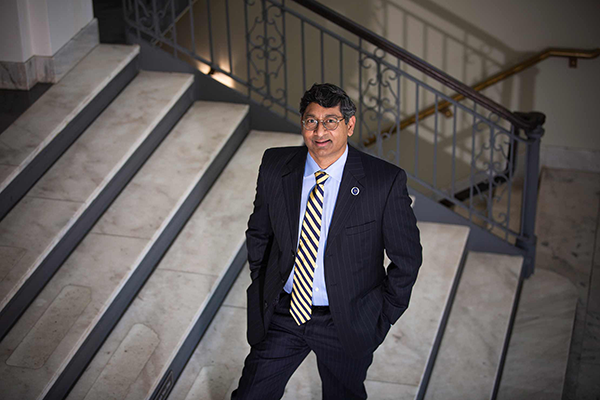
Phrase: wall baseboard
[23,76]
[567,158]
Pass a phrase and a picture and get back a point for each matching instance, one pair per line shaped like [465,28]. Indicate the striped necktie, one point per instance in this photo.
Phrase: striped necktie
[306,257]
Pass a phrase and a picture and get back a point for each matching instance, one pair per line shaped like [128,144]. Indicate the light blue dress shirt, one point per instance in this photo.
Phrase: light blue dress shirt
[332,187]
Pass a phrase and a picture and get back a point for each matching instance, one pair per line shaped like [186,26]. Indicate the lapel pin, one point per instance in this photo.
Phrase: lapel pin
[355,191]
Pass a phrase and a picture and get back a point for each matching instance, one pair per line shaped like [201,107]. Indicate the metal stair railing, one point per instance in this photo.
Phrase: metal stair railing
[573,55]
[273,50]
[444,107]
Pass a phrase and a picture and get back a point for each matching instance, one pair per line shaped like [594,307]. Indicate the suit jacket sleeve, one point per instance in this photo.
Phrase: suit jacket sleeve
[403,247]
[260,233]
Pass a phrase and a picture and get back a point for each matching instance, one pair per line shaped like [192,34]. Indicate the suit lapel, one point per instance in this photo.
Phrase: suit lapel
[353,173]
[292,190]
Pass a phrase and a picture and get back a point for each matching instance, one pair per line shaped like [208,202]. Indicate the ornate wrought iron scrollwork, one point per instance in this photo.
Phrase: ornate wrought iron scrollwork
[492,165]
[155,16]
[266,42]
[379,99]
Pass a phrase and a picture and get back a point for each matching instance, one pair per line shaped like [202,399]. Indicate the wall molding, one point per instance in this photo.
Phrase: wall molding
[24,75]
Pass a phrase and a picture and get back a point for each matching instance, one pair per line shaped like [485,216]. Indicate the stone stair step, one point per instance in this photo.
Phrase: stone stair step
[538,352]
[94,286]
[46,225]
[216,365]
[37,138]
[177,294]
[398,364]
[404,355]
[470,350]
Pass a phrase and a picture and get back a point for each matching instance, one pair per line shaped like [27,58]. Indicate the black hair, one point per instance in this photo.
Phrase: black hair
[328,95]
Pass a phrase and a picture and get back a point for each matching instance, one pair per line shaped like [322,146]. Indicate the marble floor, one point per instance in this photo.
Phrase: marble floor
[568,229]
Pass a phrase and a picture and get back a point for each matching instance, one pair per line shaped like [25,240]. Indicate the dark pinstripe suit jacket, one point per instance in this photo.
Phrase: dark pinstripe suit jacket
[364,299]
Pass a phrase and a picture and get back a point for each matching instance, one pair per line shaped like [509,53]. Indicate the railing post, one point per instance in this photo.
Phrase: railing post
[530,191]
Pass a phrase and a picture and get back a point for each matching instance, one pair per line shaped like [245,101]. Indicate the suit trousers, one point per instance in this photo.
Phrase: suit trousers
[272,362]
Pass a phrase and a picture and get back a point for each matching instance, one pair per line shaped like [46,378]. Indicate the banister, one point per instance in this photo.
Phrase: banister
[572,54]
[266,56]
[414,62]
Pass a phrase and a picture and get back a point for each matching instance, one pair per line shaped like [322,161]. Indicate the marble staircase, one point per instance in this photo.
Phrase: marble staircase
[53,339]
[47,224]
[141,349]
[123,268]
[468,358]
[399,366]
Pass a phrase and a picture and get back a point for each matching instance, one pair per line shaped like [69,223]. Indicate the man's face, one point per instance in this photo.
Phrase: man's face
[326,146]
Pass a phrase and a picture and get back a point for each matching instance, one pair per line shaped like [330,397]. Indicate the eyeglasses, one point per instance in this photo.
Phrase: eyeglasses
[330,123]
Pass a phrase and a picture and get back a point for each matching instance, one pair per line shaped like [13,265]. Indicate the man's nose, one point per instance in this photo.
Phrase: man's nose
[320,129]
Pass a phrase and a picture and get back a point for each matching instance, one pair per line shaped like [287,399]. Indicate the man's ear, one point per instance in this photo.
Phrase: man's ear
[351,124]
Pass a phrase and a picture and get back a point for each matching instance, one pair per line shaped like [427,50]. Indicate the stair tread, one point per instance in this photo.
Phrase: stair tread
[538,353]
[42,218]
[102,263]
[174,296]
[399,361]
[5,171]
[45,119]
[402,357]
[469,354]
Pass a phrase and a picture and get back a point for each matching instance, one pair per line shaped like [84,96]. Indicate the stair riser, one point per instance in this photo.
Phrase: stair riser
[144,269]
[21,184]
[44,272]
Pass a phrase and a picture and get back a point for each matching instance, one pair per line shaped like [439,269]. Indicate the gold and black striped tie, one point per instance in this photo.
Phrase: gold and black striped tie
[306,256]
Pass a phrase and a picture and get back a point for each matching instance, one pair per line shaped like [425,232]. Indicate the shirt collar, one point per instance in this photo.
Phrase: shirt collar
[335,170]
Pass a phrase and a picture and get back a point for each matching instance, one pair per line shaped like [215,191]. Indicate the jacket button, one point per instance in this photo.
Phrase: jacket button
[266,304]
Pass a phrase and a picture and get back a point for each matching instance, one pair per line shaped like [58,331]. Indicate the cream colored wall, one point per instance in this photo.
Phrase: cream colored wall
[15,43]
[472,39]
[67,17]
[39,32]
[39,27]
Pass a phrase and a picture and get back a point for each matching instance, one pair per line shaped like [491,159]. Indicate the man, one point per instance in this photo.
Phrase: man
[323,215]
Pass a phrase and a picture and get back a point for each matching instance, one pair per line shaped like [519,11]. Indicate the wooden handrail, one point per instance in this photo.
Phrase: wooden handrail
[443,106]
[415,62]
